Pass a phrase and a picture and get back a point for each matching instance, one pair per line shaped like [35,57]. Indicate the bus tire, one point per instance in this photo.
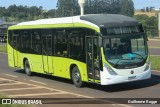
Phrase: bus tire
[27,68]
[76,77]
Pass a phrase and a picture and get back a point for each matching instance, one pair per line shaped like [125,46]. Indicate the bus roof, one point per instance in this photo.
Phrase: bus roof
[95,20]
[110,20]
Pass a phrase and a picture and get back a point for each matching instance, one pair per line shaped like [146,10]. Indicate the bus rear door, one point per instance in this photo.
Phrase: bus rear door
[47,52]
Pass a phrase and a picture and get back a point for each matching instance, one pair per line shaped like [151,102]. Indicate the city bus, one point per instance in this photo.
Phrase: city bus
[103,49]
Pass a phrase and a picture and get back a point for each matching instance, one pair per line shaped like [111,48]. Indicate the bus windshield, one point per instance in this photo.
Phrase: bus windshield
[125,51]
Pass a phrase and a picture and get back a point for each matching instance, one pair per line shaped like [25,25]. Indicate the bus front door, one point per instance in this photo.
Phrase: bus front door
[47,52]
[92,55]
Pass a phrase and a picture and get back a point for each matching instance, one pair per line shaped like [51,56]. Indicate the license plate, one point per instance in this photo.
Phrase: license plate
[132,78]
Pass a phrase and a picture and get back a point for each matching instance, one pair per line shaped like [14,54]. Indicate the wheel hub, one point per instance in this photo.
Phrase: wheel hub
[77,77]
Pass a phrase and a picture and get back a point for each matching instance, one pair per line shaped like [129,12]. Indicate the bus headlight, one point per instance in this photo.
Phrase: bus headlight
[147,65]
[110,70]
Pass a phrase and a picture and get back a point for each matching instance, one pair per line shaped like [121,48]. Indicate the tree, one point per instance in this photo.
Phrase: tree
[127,7]
[115,6]
[143,10]
[147,9]
[152,22]
[67,8]
[152,8]
[148,22]
[71,7]
[2,11]
[52,13]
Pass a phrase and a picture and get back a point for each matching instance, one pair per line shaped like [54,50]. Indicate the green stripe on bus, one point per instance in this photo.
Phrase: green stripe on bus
[54,26]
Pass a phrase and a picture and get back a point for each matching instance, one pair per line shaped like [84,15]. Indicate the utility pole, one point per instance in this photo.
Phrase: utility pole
[82,4]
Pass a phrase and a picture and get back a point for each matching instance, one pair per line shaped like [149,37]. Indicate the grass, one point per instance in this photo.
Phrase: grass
[155,60]
[3,48]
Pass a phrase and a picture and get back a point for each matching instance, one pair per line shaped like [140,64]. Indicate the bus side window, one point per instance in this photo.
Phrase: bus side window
[10,37]
[61,45]
[76,44]
[15,36]
[47,42]
[36,42]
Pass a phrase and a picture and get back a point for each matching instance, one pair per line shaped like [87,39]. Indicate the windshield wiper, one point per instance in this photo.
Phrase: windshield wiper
[139,55]
[115,65]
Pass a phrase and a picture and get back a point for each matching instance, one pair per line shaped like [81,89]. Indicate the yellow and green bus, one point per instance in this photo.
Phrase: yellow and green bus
[98,48]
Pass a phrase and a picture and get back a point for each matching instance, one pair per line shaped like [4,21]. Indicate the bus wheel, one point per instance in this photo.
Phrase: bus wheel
[27,68]
[76,77]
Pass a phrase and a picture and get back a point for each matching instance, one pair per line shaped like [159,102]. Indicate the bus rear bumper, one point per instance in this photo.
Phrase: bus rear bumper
[110,79]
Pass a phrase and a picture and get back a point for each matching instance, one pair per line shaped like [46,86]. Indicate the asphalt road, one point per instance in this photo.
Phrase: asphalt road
[140,89]
[2,44]
[154,47]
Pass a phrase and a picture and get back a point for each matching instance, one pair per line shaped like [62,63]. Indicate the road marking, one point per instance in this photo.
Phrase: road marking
[38,94]
[38,82]
[11,84]
[53,89]
[66,92]
[16,89]
[11,75]
[59,91]
[2,79]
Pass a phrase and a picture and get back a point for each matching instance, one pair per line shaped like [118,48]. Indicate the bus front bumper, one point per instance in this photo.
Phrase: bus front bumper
[107,79]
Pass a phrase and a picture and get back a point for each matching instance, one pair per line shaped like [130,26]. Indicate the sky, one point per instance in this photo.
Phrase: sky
[51,4]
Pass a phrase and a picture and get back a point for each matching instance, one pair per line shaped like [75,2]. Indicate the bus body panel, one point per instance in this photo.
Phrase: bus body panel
[125,72]
[10,56]
[54,26]
[123,75]
[87,26]
[62,67]
[48,64]
[107,79]
[35,62]
[16,55]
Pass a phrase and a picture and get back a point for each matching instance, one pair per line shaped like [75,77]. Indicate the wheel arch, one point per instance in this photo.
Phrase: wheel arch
[71,68]
[82,70]
[24,59]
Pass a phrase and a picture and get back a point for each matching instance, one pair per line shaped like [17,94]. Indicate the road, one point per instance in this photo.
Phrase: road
[2,44]
[154,46]
[13,81]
